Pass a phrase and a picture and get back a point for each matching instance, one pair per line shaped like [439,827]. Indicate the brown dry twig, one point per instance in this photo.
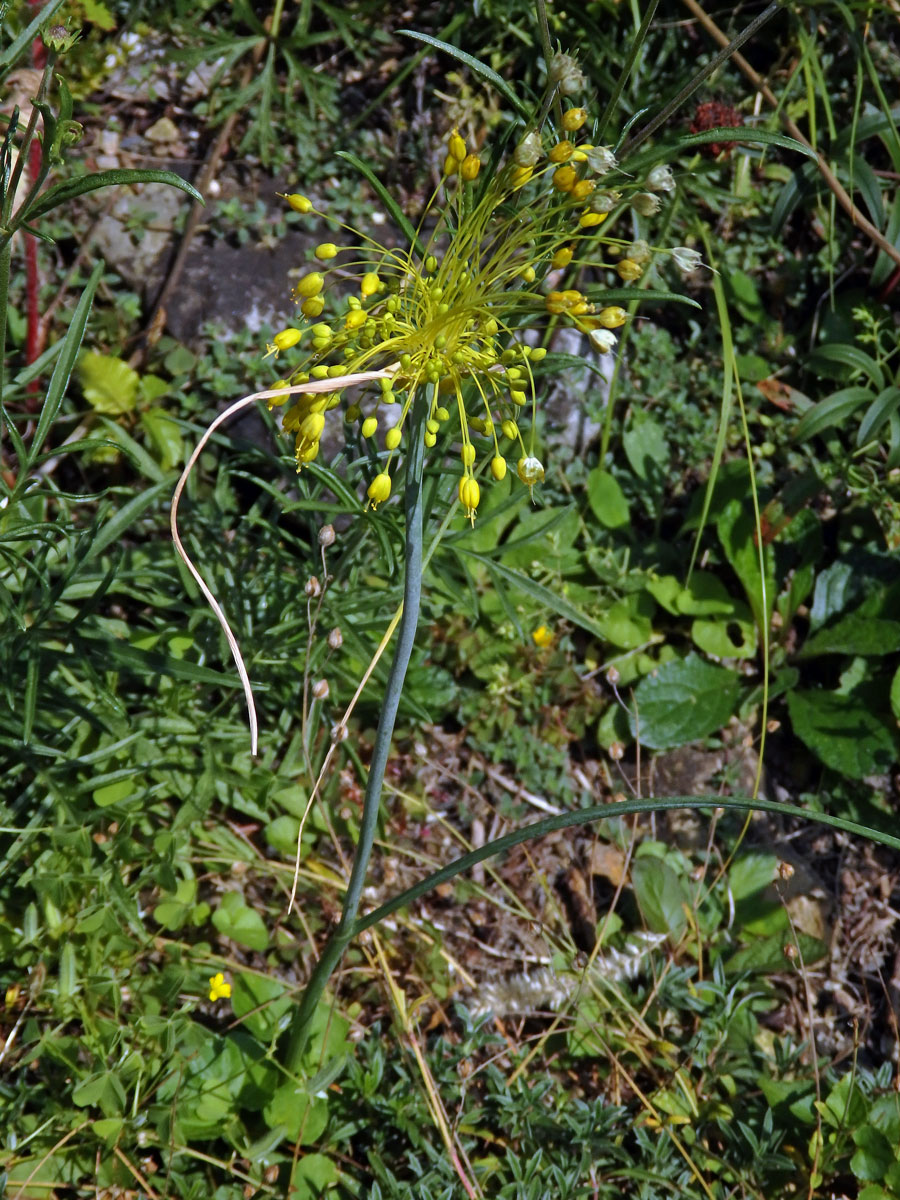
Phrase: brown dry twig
[841,194]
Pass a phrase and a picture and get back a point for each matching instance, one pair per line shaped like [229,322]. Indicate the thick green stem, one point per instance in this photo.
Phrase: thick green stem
[412,594]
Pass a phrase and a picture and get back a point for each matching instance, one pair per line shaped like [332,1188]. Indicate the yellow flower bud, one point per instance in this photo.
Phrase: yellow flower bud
[467,454]
[562,257]
[538,353]
[470,167]
[370,284]
[612,318]
[528,275]
[429,439]
[299,203]
[392,438]
[469,494]
[565,178]
[369,425]
[313,307]
[498,467]
[520,176]
[354,318]
[311,427]
[583,189]
[510,429]
[518,397]
[590,220]
[322,331]
[379,489]
[456,145]
[561,152]
[628,270]
[451,165]
[573,119]
[286,339]
[309,285]
[325,251]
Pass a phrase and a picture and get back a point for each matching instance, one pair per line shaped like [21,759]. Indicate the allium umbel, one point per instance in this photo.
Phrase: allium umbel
[451,313]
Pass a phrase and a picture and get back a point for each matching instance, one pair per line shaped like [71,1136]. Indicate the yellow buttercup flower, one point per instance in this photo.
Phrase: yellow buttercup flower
[219,988]
[542,636]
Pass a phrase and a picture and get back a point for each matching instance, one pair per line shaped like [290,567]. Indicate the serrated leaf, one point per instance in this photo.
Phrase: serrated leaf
[684,700]
[854,634]
[109,384]
[842,732]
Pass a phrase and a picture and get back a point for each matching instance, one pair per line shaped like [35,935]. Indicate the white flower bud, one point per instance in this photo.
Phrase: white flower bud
[661,179]
[566,74]
[604,202]
[601,160]
[336,638]
[646,204]
[313,587]
[603,340]
[326,535]
[530,470]
[529,151]
[320,689]
[687,259]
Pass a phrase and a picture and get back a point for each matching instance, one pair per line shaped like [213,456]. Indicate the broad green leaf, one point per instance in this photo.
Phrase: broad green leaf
[728,637]
[69,189]
[874,1154]
[165,436]
[751,873]
[261,1002]
[842,732]
[830,412]
[854,634]
[303,1118]
[109,384]
[113,793]
[312,1176]
[767,954]
[627,623]
[705,595]
[235,920]
[607,500]
[660,896]
[686,699]
[736,528]
[845,354]
[647,451]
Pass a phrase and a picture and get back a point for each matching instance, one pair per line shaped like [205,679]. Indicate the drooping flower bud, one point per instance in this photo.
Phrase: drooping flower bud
[565,73]
[530,470]
[646,204]
[686,258]
[529,151]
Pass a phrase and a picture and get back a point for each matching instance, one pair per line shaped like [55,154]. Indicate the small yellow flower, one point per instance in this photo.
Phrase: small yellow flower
[299,203]
[562,257]
[612,317]
[456,145]
[498,467]
[325,251]
[218,988]
[628,270]
[310,285]
[542,636]
[286,339]
[451,165]
[379,489]
[565,178]
[561,152]
[471,165]
[590,220]
[469,495]
[313,307]
[573,119]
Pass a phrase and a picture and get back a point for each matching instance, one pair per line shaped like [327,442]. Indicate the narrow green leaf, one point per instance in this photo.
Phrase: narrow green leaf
[881,410]
[831,411]
[69,189]
[15,49]
[65,363]
[393,208]
[549,599]
[126,516]
[845,355]
[479,68]
[741,133]
[640,295]
[602,812]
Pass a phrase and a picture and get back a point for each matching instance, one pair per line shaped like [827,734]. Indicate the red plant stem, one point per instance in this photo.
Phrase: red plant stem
[34,334]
